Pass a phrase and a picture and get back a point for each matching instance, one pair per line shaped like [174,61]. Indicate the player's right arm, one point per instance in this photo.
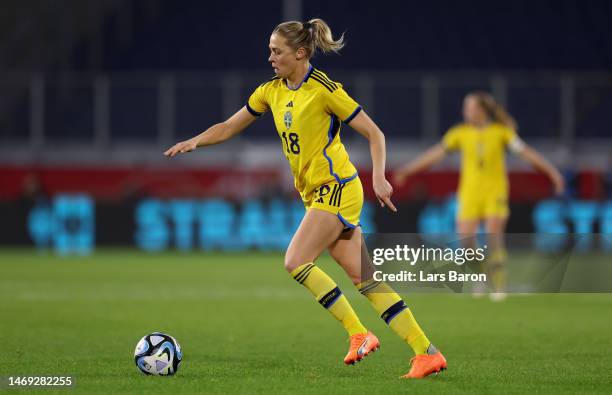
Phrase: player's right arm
[220,132]
[537,160]
[216,134]
[422,162]
[433,155]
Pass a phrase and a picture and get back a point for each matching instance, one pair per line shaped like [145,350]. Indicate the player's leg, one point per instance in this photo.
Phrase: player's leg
[316,232]
[351,254]
[467,230]
[360,344]
[469,214]
[467,221]
[496,227]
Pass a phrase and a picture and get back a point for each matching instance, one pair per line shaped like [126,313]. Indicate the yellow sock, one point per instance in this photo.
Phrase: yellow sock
[329,296]
[395,313]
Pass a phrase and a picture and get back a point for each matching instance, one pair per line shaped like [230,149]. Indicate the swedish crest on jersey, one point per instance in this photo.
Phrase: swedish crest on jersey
[288,118]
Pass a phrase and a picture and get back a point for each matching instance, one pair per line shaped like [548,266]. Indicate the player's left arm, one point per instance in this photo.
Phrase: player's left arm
[365,126]
[537,160]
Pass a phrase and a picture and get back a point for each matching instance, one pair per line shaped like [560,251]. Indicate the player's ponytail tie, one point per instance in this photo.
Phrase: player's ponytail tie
[306,25]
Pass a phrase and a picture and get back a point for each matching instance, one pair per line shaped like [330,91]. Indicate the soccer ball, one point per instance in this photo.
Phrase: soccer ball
[158,354]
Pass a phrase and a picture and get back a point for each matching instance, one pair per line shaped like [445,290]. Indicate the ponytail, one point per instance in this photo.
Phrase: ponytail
[312,36]
[323,38]
[494,110]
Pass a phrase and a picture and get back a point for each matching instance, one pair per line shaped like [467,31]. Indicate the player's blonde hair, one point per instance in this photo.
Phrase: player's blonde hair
[494,110]
[312,35]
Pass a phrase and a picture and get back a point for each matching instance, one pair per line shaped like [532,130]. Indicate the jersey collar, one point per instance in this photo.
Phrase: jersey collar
[310,70]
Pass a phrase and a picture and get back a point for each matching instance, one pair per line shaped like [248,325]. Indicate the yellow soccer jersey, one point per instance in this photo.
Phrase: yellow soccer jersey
[483,169]
[308,122]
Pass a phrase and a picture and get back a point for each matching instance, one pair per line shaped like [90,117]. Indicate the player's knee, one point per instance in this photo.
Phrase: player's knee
[356,279]
[293,261]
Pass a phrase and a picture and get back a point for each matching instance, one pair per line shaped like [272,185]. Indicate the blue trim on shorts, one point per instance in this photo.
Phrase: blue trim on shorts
[345,222]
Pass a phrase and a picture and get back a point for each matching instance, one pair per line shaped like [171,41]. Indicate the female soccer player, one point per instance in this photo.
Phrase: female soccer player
[483,187]
[308,109]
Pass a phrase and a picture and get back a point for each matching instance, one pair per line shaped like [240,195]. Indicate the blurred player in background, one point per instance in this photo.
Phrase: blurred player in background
[308,109]
[482,196]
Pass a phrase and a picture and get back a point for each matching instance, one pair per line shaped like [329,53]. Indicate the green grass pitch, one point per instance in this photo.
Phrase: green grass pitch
[246,327]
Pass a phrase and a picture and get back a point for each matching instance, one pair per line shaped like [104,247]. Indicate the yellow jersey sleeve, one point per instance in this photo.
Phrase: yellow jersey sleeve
[508,135]
[342,105]
[511,140]
[258,103]
[452,139]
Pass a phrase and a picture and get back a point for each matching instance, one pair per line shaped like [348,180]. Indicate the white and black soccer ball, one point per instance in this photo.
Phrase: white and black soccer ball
[158,354]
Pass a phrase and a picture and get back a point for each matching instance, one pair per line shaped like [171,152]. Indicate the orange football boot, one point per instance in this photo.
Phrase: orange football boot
[361,345]
[423,365]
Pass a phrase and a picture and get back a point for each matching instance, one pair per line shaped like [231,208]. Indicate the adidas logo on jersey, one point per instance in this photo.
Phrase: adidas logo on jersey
[290,104]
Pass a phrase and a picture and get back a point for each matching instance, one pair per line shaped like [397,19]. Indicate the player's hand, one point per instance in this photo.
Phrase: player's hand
[383,191]
[181,148]
[559,184]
